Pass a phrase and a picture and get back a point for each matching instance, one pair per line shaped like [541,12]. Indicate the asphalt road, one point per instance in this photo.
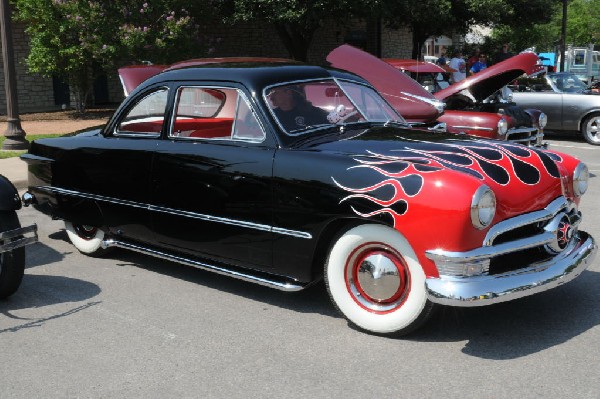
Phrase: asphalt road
[133,326]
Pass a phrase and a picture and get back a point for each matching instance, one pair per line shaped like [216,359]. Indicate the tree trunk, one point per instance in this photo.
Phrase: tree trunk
[296,39]
[418,38]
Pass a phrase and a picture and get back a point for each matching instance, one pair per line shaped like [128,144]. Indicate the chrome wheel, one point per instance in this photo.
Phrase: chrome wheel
[590,129]
[377,277]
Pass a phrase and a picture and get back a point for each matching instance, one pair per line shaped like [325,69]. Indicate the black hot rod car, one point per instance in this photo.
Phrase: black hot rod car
[283,174]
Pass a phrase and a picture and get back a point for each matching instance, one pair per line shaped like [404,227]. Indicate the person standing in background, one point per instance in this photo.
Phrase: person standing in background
[458,64]
[473,58]
[480,65]
[503,54]
[442,61]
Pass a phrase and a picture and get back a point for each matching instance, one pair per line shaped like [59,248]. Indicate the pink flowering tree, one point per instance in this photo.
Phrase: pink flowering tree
[74,39]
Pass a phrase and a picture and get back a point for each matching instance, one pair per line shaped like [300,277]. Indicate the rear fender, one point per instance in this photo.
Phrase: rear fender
[9,197]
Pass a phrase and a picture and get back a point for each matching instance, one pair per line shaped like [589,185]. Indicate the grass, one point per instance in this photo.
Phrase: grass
[11,154]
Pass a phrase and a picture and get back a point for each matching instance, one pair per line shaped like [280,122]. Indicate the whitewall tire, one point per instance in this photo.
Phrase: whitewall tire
[87,239]
[375,280]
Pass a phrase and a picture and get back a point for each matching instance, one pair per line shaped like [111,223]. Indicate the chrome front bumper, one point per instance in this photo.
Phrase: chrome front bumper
[489,289]
[18,238]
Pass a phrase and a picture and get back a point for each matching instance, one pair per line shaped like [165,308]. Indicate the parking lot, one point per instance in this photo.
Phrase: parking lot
[134,326]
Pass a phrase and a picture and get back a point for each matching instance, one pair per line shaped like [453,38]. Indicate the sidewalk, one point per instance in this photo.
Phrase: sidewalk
[14,169]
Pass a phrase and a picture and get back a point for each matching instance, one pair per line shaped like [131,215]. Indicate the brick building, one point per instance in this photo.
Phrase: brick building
[37,93]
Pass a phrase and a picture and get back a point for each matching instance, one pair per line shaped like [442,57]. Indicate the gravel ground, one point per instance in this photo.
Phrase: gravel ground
[60,121]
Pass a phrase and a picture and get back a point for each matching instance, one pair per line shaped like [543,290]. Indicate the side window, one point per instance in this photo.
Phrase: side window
[214,113]
[147,115]
[247,126]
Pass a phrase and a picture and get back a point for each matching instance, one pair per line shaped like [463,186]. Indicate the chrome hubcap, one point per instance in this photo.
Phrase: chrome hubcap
[592,129]
[377,278]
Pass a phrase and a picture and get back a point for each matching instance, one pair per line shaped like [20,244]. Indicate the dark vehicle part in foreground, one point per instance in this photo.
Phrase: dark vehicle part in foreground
[13,239]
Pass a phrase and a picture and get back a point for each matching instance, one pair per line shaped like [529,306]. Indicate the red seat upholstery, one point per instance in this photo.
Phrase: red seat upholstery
[205,127]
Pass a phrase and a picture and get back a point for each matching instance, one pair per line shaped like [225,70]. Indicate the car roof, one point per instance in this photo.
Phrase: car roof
[255,74]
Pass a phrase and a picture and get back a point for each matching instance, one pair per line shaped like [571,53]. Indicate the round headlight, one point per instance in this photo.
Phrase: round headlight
[502,126]
[580,179]
[483,207]
[543,120]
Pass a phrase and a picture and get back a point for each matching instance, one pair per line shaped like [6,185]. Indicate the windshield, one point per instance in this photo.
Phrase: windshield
[567,83]
[302,107]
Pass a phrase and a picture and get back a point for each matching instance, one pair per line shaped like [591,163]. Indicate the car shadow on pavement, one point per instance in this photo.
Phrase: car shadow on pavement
[42,255]
[313,299]
[39,291]
[501,332]
[521,327]
[566,137]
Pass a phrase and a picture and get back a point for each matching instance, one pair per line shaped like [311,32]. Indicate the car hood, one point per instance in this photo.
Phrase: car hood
[133,75]
[414,66]
[407,96]
[512,171]
[485,83]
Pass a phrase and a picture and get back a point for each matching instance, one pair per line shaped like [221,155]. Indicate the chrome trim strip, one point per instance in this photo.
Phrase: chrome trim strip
[522,220]
[487,129]
[486,290]
[439,105]
[521,130]
[193,215]
[26,235]
[280,285]
[479,254]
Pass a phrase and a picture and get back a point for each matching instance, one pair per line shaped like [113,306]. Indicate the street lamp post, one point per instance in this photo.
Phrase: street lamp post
[563,35]
[15,135]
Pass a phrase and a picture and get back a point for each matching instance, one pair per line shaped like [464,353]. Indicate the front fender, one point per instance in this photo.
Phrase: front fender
[9,197]
[473,123]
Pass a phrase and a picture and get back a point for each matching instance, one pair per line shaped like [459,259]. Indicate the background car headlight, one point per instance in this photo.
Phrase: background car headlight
[580,179]
[502,127]
[543,120]
[483,207]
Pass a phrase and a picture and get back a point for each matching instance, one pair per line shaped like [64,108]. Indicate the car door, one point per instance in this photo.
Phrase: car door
[113,170]
[212,179]
[540,95]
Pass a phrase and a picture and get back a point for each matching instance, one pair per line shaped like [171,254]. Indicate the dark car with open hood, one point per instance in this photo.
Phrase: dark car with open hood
[284,174]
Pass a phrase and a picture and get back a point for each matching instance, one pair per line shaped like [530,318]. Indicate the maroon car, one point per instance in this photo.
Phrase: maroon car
[469,107]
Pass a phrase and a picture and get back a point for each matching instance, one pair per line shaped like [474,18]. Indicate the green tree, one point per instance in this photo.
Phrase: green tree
[583,27]
[296,21]
[73,39]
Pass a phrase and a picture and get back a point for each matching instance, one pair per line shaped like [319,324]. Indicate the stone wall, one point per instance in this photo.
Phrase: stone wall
[34,91]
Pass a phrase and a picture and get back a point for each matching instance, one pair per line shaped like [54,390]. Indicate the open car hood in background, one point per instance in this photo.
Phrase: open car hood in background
[414,66]
[485,83]
[407,96]
[133,75]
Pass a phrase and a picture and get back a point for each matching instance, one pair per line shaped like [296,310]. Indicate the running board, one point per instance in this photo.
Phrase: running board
[280,285]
